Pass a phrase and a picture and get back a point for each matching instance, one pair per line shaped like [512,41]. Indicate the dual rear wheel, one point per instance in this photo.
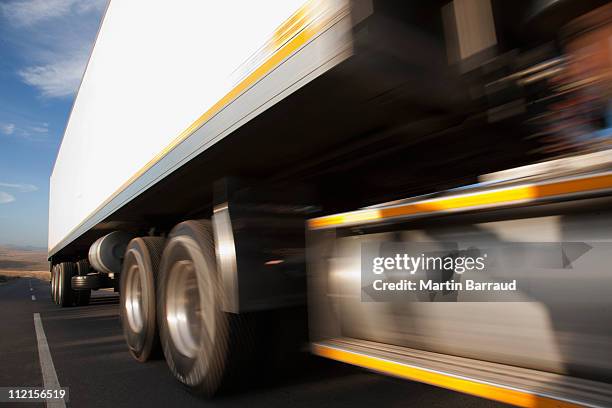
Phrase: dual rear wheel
[171,300]
[61,288]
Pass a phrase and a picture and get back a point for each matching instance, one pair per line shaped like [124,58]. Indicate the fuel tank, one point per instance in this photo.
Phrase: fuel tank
[106,253]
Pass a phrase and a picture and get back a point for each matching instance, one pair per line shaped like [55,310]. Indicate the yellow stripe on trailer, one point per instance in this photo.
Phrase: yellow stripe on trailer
[480,389]
[520,194]
[301,35]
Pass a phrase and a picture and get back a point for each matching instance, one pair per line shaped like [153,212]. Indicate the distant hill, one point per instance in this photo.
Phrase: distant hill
[15,258]
[23,248]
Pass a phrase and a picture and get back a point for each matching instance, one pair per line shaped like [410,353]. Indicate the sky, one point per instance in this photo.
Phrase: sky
[44,47]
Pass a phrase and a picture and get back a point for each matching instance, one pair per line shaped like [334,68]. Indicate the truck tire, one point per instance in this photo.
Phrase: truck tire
[87,282]
[52,283]
[82,297]
[66,295]
[53,280]
[138,290]
[56,285]
[202,344]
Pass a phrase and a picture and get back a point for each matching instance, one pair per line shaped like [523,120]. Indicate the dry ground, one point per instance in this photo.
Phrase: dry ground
[23,262]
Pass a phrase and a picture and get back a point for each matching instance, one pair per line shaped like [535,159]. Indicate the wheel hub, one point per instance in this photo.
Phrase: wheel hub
[134,300]
[183,309]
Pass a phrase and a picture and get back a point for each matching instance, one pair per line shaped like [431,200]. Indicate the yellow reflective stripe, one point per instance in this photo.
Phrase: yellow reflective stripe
[292,25]
[246,83]
[511,195]
[484,390]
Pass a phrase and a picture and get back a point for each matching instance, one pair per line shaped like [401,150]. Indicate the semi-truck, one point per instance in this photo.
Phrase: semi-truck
[224,162]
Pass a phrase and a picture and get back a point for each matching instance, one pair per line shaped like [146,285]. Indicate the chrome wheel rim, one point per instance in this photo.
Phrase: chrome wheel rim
[56,289]
[55,285]
[60,287]
[53,280]
[183,308]
[134,304]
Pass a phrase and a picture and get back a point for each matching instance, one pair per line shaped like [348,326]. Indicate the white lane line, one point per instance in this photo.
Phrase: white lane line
[47,368]
[31,289]
[33,297]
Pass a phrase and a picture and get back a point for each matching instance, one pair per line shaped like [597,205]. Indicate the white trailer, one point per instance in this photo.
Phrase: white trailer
[208,139]
[165,83]
[164,103]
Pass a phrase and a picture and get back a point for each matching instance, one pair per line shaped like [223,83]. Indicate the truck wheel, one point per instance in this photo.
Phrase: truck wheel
[195,333]
[82,297]
[53,279]
[65,295]
[52,282]
[138,292]
[56,285]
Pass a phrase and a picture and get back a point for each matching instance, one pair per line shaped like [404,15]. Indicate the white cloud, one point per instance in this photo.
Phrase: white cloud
[6,198]
[55,37]
[34,131]
[30,12]
[57,79]
[40,129]
[22,188]
[7,128]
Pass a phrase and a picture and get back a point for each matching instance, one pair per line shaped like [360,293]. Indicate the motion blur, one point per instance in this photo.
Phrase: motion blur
[248,190]
[511,156]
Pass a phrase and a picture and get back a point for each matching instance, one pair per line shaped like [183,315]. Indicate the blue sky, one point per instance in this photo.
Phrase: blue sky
[44,46]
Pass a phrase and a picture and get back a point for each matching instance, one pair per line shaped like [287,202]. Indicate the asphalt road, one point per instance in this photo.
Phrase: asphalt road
[90,357]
